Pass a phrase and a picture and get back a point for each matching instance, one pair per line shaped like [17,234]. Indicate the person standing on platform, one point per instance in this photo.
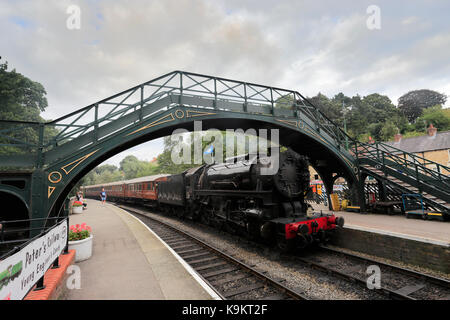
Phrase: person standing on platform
[103,195]
[80,196]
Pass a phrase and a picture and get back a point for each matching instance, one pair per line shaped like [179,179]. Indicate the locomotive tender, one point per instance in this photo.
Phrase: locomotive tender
[236,196]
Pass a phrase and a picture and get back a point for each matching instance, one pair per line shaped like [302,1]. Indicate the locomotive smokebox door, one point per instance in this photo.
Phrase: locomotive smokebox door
[292,177]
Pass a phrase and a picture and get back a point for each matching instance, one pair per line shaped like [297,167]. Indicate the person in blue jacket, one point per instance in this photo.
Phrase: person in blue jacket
[103,195]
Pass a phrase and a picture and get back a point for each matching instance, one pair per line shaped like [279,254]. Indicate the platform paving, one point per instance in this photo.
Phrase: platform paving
[129,261]
[398,225]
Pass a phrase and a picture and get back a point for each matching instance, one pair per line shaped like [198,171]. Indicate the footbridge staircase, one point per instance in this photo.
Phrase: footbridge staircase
[410,173]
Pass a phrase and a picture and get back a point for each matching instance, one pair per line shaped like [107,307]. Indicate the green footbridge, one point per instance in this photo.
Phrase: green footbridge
[41,162]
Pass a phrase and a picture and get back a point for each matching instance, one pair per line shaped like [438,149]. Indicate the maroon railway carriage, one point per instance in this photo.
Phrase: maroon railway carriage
[142,189]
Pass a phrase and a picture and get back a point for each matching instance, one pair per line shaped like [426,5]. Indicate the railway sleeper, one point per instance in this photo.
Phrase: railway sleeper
[231,279]
[219,272]
[243,289]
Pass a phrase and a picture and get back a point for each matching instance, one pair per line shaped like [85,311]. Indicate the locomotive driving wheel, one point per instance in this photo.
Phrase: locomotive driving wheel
[284,244]
[179,212]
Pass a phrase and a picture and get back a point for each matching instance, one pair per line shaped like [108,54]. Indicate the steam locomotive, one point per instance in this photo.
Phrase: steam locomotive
[236,196]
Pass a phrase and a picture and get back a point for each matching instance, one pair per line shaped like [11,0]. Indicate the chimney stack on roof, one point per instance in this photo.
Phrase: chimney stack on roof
[397,137]
[431,130]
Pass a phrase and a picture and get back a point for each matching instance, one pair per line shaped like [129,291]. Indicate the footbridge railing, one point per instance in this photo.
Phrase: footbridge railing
[418,172]
[28,142]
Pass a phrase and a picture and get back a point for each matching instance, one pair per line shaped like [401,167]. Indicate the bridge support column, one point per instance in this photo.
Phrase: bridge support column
[361,195]
[39,191]
[382,190]
[327,178]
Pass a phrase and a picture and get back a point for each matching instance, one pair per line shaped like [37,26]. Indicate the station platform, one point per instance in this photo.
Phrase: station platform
[130,262]
[429,231]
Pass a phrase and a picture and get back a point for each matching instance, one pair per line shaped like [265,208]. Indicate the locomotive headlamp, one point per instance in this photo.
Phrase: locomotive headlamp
[303,229]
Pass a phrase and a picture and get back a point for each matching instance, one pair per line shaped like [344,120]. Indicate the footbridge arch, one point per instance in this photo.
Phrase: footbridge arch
[66,149]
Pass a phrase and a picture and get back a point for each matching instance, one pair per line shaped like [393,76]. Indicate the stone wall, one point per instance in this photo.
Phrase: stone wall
[413,252]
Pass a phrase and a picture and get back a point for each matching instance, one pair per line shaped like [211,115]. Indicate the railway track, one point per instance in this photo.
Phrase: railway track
[396,282]
[230,278]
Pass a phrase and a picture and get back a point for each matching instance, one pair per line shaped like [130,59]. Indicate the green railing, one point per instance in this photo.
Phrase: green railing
[34,139]
[421,169]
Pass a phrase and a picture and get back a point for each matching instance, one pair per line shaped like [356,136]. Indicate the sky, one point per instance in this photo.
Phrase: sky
[354,47]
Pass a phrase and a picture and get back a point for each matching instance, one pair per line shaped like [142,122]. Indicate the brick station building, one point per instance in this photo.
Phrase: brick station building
[434,146]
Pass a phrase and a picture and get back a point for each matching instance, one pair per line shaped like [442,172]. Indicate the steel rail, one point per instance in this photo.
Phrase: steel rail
[346,276]
[266,279]
[390,293]
[419,275]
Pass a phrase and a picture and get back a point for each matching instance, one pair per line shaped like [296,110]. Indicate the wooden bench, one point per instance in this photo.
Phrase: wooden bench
[386,206]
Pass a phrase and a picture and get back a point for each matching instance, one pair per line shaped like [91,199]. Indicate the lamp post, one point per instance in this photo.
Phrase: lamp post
[345,110]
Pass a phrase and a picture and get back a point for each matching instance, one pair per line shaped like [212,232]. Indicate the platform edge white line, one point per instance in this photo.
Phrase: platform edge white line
[398,235]
[188,268]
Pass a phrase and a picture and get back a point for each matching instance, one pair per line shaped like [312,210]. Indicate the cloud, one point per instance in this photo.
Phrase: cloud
[146,152]
[410,20]
[307,46]
[121,44]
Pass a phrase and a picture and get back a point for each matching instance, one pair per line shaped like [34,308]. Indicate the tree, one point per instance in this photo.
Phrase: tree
[105,168]
[381,107]
[388,131]
[440,118]
[130,166]
[285,102]
[20,98]
[414,102]
[331,108]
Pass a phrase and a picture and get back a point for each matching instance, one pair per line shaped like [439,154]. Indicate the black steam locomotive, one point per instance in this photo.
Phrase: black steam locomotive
[236,196]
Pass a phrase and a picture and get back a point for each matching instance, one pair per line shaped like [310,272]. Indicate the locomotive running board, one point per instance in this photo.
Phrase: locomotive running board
[232,193]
